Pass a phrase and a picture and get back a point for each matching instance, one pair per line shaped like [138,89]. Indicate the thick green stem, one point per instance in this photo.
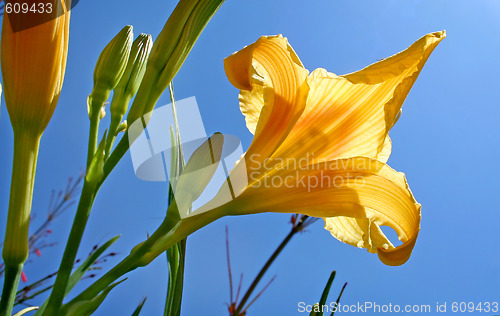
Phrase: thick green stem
[15,249]
[16,244]
[69,256]
[11,281]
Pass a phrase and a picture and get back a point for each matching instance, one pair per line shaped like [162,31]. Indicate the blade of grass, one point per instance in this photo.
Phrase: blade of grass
[324,295]
[139,308]
[338,298]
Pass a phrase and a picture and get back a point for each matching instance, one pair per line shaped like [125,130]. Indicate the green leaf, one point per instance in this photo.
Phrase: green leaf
[176,254]
[139,308]
[87,307]
[324,295]
[198,172]
[170,50]
[338,298]
[81,270]
[176,259]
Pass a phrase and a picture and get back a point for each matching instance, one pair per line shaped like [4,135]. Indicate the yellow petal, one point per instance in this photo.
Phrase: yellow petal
[358,232]
[271,70]
[361,188]
[252,101]
[351,115]
[403,67]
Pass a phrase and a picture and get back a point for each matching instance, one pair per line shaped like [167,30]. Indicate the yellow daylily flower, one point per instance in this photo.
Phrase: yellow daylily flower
[321,142]
[33,65]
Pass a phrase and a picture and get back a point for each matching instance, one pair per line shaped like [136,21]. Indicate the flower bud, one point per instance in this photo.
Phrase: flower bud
[132,77]
[33,66]
[110,66]
[128,85]
[136,66]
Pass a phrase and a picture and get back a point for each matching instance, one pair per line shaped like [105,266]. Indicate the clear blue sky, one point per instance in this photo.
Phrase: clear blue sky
[447,142]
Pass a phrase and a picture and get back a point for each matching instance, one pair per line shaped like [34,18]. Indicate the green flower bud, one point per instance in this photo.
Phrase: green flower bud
[136,67]
[128,85]
[111,65]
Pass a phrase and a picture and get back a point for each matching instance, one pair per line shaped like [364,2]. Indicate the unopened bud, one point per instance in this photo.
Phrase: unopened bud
[132,77]
[33,61]
[136,66]
[111,64]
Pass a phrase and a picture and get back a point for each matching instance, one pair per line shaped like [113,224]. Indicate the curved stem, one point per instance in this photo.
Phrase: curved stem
[168,233]
[81,217]
[71,250]
[89,192]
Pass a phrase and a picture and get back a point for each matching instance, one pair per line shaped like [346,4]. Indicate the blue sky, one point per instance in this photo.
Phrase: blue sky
[446,142]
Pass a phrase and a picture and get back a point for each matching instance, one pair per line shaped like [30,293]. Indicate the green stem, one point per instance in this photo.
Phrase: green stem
[113,127]
[78,228]
[118,108]
[176,256]
[69,256]
[11,281]
[16,244]
[168,233]
[93,136]
[117,154]
[80,221]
